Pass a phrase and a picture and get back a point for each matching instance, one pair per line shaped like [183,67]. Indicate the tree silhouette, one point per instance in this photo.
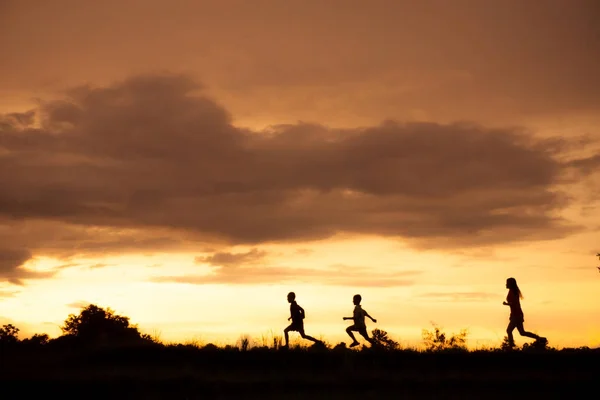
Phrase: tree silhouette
[95,324]
[9,335]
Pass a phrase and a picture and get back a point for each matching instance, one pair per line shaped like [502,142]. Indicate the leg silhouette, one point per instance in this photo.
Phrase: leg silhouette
[349,332]
[300,330]
[365,334]
[286,335]
[519,325]
[523,332]
[305,336]
[509,332]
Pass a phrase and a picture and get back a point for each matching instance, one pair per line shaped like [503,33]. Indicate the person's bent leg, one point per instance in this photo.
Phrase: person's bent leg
[365,334]
[286,335]
[509,333]
[349,332]
[305,336]
[523,332]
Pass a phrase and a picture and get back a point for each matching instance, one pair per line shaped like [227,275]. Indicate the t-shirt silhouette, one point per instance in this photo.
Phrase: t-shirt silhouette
[296,312]
[515,304]
[359,316]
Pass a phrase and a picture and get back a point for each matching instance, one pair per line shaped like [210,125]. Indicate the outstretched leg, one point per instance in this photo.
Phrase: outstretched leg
[365,334]
[305,336]
[286,335]
[523,332]
[349,332]
[509,333]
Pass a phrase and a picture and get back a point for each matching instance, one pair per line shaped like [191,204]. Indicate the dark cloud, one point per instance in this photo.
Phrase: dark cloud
[225,259]
[151,163]
[586,165]
[18,120]
[21,237]
[460,296]
[459,57]
[11,266]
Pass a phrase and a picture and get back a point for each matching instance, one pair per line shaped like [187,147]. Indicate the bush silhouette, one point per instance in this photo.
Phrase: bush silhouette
[382,339]
[506,345]
[244,342]
[95,325]
[37,340]
[437,340]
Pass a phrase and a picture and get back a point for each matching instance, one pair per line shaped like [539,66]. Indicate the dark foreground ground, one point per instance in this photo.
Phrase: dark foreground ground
[188,373]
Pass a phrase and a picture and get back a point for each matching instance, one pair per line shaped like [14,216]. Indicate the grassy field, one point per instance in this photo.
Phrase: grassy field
[191,372]
[102,356]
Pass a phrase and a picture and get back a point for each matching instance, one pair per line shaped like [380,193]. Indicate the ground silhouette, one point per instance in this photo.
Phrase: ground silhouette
[121,362]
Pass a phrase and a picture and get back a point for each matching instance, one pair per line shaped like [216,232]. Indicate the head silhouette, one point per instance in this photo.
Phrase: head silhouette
[511,284]
[356,299]
[291,296]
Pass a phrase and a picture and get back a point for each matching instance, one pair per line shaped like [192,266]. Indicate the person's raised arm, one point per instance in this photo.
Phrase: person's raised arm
[372,319]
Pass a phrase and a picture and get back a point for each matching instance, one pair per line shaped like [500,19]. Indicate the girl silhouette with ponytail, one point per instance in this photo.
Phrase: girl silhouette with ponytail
[516,319]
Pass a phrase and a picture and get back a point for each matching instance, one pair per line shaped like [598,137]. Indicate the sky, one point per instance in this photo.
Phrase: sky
[187,163]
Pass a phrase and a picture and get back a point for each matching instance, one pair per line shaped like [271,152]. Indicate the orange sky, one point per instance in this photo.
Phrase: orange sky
[188,163]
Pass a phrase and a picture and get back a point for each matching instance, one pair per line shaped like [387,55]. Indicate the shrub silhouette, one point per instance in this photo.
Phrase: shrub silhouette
[506,346]
[536,346]
[341,346]
[37,340]
[96,325]
[436,339]
[244,342]
[382,339]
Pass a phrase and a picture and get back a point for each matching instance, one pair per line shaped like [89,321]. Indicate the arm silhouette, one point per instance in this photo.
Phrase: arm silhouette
[372,319]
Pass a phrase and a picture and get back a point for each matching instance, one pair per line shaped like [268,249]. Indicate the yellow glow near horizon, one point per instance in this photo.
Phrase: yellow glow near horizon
[559,306]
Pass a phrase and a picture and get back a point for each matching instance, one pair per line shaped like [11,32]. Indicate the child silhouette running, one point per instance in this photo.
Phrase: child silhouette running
[297,317]
[516,319]
[359,322]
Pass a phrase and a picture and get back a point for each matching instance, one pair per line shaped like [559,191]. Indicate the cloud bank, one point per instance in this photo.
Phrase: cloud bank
[151,163]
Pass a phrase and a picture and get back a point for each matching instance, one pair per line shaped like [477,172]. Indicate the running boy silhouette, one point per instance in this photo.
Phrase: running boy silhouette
[359,322]
[297,317]
[516,319]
